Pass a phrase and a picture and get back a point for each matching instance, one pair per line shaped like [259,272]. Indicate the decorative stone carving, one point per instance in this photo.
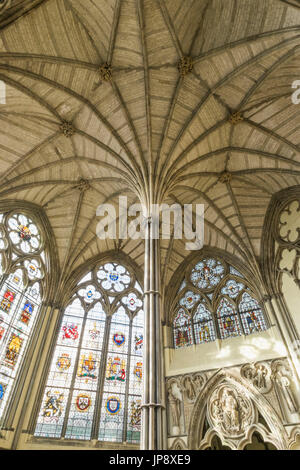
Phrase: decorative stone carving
[289,222]
[178,444]
[175,408]
[105,72]
[185,66]
[189,388]
[230,411]
[283,377]
[67,128]
[235,118]
[191,385]
[225,177]
[260,376]
[82,185]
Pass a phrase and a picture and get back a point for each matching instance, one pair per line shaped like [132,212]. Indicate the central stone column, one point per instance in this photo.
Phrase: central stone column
[153,401]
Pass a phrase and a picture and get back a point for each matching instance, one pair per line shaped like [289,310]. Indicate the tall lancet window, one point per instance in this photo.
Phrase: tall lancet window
[22,268]
[94,385]
[214,301]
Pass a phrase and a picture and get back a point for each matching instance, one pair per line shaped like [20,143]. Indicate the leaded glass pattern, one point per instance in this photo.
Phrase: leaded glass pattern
[22,271]
[214,301]
[204,330]
[228,320]
[207,273]
[182,329]
[251,314]
[94,383]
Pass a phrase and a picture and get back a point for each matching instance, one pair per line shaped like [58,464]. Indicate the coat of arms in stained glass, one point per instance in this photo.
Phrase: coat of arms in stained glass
[87,366]
[7,301]
[70,332]
[24,232]
[138,370]
[63,362]
[83,402]
[118,339]
[113,405]
[26,312]
[53,406]
[13,350]
[115,369]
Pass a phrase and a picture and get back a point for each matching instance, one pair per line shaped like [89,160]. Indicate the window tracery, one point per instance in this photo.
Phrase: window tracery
[213,301]
[94,385]
[22,270]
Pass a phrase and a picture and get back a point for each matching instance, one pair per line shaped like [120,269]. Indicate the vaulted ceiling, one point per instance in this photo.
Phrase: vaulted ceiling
[98,106]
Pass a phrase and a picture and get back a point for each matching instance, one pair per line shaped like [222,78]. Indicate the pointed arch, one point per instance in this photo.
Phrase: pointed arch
[28,261]
[276,433]
[94,378]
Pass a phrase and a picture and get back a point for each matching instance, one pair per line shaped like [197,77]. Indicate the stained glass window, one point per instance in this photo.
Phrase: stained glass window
[204,330]
[22,271]
[207,273]
[251,314]
[214,301]
[182,329]
[228,320]
[94,385]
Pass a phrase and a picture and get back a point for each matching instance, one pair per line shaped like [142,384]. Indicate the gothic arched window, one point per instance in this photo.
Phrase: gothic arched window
[228,319]
[94,385]
[251,314]
[182,329]
[22,269]
[204,330]
[213,301]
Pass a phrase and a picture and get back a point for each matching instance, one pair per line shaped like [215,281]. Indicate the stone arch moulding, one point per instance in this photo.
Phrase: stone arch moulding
[255,404]
[40,217]
[278,202]
[294,440]
[172,292]
[178,444]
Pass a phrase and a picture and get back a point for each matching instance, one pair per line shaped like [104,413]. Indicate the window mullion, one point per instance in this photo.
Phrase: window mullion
[127,382]
[71,388]
[101,378]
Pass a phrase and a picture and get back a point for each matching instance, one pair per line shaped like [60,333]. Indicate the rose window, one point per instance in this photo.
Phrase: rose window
[207,273]
[24,233]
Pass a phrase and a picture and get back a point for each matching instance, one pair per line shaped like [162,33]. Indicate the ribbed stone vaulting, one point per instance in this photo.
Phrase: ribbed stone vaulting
[157,100]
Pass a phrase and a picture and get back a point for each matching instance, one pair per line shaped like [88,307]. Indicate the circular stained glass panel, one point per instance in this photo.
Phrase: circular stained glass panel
[207,273]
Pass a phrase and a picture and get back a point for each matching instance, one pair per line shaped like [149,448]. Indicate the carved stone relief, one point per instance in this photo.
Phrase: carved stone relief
[230,411]
[175,407]
[259,374]
[284,382]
